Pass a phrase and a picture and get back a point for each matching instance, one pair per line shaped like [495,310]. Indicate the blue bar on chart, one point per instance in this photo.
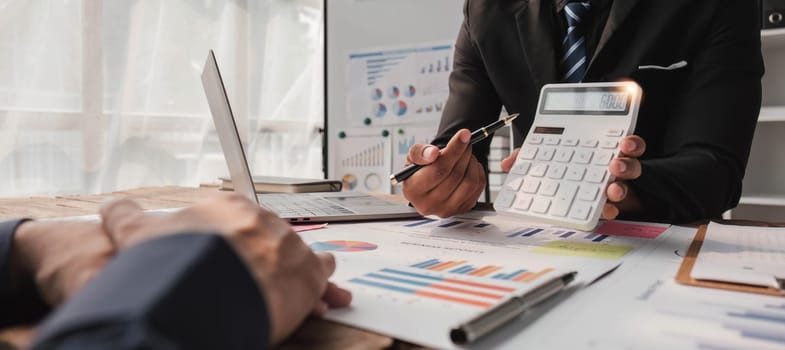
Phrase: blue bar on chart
[516,233]
[464,270]
[591,236]
[419,223]
[425,264]
[510,275]
[451,224]
[481,225]
[757,333]
[499,276]
[568,234]
[533,232]
[599,238]
[759,316]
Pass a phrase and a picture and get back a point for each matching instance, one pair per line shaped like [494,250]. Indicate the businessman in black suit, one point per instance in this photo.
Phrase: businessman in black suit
[244,286]
[699,65]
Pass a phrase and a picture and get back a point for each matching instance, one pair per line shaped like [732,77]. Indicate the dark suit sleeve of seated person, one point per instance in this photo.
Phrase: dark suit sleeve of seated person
[187,291]
[19,300]
[697,121]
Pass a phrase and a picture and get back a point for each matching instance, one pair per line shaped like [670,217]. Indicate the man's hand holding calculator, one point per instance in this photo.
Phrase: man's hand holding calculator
[571,170]
[621,198]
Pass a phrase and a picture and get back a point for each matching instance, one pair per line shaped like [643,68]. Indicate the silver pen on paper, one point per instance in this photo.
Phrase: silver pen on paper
[502,313]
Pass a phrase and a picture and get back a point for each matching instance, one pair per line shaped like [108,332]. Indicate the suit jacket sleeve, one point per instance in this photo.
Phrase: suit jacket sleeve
[19,300]
[473,101]
[187,291]
[708,137]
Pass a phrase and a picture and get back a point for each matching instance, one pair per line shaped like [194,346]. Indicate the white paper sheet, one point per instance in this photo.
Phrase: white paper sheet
[742,254]
[385,265]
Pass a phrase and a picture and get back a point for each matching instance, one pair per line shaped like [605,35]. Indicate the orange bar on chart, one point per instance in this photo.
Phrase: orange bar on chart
[487,271]
[480,285]
[480,271]
[536,275]
[453,299]
[466,291]
[445,265]
[522,276]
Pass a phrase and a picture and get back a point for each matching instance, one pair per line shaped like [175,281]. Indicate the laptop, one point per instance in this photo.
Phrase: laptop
[294,207]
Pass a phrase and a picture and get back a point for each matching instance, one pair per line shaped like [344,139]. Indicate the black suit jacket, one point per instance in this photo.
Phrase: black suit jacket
[698,121]
[184,291]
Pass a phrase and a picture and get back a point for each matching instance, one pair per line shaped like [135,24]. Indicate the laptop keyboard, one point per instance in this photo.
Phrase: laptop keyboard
[293,206]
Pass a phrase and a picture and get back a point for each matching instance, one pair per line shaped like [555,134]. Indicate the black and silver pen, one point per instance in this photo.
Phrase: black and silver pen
[502,313]
[477,136]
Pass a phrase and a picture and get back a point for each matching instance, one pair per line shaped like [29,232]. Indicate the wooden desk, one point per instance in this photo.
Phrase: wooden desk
[315,333]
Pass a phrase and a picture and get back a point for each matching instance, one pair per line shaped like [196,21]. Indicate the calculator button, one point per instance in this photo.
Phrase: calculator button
[514,184]
[564,155]
[541,205]
[523,202]
[588,192]
[580,211]
[576,172]
[583,156]
[609,144]
[528,153]
[530,185]
[563,201]
[591,143]
[505,199]
[535,140]
[552,140]
[539,170]
[596,174]
[521,168]
[614,132]
[603,158]
[567,192]
[546,153]
[571,142]
[556,171]
[549,188]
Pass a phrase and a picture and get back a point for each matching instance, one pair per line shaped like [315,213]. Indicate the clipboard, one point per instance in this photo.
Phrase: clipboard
[684,276]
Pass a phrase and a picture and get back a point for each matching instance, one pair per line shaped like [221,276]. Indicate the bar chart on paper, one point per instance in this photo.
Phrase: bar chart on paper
[450,282]
[542,240]
[494,272]
[342,246]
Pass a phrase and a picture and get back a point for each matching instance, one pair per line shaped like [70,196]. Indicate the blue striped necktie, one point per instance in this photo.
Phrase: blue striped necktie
[574,44]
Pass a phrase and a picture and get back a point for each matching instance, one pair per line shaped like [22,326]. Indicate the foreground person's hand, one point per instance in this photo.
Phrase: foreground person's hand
[293,278]
[59,257]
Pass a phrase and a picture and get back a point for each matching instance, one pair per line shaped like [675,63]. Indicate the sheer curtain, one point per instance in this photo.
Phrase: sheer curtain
[103,95]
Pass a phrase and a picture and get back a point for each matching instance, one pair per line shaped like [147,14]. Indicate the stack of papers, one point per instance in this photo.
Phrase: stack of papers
[743,255]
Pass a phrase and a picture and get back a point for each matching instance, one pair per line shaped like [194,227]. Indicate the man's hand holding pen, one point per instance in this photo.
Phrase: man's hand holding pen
[451,183]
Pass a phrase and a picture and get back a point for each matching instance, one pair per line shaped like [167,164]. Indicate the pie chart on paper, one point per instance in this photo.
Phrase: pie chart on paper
[342,246]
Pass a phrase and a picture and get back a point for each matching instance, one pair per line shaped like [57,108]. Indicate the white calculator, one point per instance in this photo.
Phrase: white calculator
[561,172]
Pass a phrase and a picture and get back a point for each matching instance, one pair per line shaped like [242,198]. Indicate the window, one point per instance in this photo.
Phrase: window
[98,95]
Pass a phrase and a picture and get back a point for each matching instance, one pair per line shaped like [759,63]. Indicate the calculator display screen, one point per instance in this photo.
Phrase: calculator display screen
[586,101]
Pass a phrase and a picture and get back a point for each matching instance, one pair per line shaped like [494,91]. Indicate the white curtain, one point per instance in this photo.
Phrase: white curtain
[100,95]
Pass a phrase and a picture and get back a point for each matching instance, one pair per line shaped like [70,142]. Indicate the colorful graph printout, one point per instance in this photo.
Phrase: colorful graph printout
[343,246]
[365,161]
[460,267]
[435,286]
[394,85]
